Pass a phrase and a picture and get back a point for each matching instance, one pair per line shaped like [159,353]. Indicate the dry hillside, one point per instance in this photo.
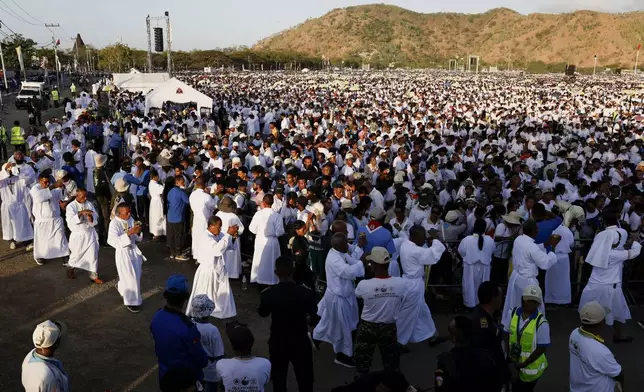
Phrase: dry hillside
[384,34]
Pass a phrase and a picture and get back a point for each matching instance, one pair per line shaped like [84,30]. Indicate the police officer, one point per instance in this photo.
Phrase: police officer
[289,304]
[177,341]
[528,338]
[55,96]
[465,368]
[487,332]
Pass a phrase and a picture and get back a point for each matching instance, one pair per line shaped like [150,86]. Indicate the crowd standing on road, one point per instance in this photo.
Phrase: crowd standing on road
[354,192]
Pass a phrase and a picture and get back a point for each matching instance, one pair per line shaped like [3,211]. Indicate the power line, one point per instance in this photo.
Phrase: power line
[16,16]
[28,14]
[5,25]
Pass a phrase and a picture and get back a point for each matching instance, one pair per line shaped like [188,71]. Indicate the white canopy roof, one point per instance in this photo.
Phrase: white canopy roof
[175,90]
[139,82]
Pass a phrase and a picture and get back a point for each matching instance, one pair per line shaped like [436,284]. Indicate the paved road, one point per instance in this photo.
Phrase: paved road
[108,348]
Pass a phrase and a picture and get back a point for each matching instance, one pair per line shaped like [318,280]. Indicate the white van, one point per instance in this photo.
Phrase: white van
[32,90]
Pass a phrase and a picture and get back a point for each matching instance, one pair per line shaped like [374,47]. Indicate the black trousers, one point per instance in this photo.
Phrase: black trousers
[520,386]
[296,350]
[176,237]
[499,270]
[3,151]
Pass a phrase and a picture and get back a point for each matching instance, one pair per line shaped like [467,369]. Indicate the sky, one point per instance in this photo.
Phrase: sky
[209,24]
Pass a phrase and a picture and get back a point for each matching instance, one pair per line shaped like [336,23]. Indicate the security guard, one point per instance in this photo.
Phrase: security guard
[18,137]
[177,341]
[55,96]
[528,337]
[289,304]
[4,140]
[487,333]
[72,88]
[465,368]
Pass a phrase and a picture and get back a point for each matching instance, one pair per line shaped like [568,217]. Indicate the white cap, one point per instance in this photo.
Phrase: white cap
[346,204]
[348,156]
[288,161]
[236,160]
[60,174]
[593,313]
[379,255]
[377,213]
[533,293]
[398,179]
[235,144]
[46,334]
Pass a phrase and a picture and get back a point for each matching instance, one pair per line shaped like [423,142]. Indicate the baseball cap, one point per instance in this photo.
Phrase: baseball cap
[346,204]
[593,313]
[177,284]
[377,213]
[47,334]
[379,255]
[532,293]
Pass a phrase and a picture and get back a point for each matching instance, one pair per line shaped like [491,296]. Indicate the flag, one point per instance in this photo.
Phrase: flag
[57,42]
[20,59]
[639,46]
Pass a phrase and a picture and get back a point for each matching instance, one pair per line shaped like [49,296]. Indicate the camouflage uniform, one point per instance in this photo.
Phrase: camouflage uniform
[370,335]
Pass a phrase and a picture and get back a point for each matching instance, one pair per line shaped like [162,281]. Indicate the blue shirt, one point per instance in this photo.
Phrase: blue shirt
[116,140]
[378,237]
[177,203]
[177,343]
[75,175]
[546,227]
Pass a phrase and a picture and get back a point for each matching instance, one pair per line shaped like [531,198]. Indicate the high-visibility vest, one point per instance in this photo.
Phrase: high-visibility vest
[54,95]
[3,134]
[73,88]
[16,136]
[528,344]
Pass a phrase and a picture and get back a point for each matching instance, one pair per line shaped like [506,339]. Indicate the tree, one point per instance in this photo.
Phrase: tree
[116,58]
[9,45]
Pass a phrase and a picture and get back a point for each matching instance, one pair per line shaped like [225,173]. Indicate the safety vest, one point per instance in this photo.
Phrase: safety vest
[16,136]
[527,345]
[54,95]
[3,134]
[72,88]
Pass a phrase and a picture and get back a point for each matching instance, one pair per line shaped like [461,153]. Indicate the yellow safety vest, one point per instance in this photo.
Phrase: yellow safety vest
[73,88]
[3,134]
[54,95]
[527,345]
[16,136]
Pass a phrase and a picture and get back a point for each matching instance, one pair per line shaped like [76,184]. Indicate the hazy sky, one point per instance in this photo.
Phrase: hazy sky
[207,24]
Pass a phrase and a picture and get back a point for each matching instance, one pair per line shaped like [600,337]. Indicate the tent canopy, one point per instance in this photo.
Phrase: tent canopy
[139,82]
[176,91]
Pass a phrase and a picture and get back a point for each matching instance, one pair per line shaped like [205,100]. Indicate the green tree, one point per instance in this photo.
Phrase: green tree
[9,45]
[116,58]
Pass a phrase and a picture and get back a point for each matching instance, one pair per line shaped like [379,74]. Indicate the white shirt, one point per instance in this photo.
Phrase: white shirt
[382,298]
[592,365]
[213,345]
[528,257]
[40,375]
[239,375]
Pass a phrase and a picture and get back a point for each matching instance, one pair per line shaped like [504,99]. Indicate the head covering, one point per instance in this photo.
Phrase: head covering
[227,205]
[513,218]
[593,313]
[377,213]
[46,334]
[398,179]
[601,247]
[574,212]
[201,306]
[99,160]
[177,284]
[451,216]
[121,185]
[346,204]
[236,160]
[379,255]
[532,293]
[60,174]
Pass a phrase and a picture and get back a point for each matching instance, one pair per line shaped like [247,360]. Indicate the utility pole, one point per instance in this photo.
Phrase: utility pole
[4,71]
[147,22]
[53,40]
[595,65]
[637,57]
[169,34]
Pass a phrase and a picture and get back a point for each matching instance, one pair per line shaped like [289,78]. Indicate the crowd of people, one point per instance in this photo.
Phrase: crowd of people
[355,192]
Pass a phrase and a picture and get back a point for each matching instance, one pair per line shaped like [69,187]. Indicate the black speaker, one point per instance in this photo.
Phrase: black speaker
[571,69]
[158,39]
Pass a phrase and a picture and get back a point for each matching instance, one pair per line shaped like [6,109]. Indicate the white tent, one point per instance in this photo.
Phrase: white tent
[139,82]
[176,91]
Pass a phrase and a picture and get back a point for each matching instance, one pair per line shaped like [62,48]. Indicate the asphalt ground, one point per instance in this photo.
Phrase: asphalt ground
[108,348]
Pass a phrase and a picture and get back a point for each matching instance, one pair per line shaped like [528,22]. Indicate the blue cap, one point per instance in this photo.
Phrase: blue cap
[177,284]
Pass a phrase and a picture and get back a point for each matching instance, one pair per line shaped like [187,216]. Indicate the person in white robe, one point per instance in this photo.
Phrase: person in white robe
[267,225]
[82,219]
[557,280]
[203,206]
[89,160]
[527,258]
[157,217]
[607,255]
[476,251]
[16,222]
[232,255]
[338,309]
[123,236]
[50,241]
[211,277]
[414,323]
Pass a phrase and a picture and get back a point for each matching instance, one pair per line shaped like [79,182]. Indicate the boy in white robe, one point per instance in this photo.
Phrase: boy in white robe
[268,226]
[50,241]
[211,277]
[123,236]
[203,205]
[81,219]
[14,191]
[338,308]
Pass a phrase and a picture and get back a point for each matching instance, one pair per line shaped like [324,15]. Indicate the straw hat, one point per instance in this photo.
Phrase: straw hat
[121,185]
[99,160]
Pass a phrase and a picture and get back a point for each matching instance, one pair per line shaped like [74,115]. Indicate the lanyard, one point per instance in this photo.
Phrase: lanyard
[590,335]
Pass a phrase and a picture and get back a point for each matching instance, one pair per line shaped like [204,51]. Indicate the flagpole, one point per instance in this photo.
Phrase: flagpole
[637,57]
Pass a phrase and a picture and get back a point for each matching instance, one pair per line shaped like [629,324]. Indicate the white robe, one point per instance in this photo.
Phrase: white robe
[202,205]
[232,255]
[157,218]
[605,285]
[476,266]
[83,240]
[267,225]
[16,223]
[89,169]
[558,276]
[211,277]
[129,260]
[50,241]
[338,308]
[414,323]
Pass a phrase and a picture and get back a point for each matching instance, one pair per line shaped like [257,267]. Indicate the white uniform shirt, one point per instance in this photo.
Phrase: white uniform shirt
[592,365]
[382,298]
[250,374]
[213,345]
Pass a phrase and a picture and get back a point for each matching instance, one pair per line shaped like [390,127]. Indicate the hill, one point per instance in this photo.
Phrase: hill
[383,34]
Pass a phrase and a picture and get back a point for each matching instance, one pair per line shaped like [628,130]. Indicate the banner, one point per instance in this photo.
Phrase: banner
[20,59]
